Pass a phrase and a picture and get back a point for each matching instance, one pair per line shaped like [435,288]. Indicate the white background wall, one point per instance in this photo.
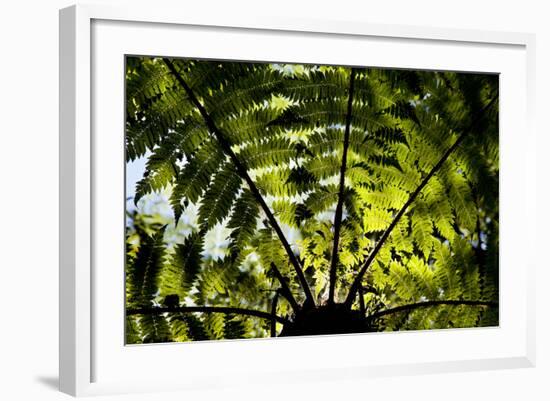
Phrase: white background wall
[29,198]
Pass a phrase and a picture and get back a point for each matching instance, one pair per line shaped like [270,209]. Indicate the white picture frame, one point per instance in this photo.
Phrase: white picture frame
[92,38]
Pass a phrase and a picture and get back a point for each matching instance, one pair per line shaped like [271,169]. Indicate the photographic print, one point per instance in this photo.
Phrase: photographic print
[268,199]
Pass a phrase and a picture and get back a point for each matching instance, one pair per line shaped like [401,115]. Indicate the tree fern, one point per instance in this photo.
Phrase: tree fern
[330,199]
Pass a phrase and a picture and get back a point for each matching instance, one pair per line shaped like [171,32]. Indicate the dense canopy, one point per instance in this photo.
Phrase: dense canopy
[308,199]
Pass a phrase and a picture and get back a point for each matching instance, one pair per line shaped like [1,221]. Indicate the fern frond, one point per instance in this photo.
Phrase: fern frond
[322,199]
[278,182]
[402,282]
[243,220]
[195,177]
[253,86]
[218,199]
[316,86]
[252,125]
[375,220]
[187,261]
[422,228]
[144,270]
[446,272]
[275,152]
[154,329]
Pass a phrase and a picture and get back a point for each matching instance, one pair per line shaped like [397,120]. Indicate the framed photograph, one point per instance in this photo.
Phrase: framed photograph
[289,200]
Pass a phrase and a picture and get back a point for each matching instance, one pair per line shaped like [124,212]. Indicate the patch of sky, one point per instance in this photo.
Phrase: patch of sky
[134,173]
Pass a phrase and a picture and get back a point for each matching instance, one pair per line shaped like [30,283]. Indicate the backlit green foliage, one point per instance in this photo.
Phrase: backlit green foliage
[284,127]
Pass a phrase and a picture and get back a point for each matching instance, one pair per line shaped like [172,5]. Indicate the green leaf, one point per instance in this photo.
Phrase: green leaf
[186,261]
[243,220]
[218,199]
[195,177]
[143,271]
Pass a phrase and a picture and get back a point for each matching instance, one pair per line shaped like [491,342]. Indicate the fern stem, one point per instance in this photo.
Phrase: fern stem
[425,304]
[206,309]
[285,290]
[273,328]
[340,204]
[357,281]
[362,307]
[243,173]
